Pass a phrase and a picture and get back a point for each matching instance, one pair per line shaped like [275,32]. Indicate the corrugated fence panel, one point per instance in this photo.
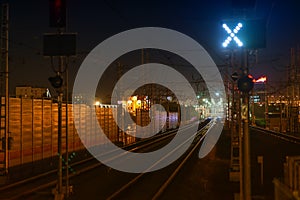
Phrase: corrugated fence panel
[63,127]
[98,115]
[14,129]
[76,120]
[34,127]
[37,129]
[27,140]
[54,128]
[80,120]
[88,126]
[92,128]
[71,129]
[47,128]
[83,109]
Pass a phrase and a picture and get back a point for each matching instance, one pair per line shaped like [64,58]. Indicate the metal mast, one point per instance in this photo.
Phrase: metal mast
[4,162]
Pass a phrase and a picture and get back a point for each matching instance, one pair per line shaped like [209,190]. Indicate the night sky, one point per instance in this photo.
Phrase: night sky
[94,21]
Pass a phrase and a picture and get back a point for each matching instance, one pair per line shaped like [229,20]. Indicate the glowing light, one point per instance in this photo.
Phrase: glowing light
[250,76]
[134,98]
[261,79]
[232,35]
[97,103]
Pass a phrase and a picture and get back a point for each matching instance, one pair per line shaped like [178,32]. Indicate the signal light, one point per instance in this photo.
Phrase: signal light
[251,33]
[57,13]
[245,84]
[232,34]
[56,81]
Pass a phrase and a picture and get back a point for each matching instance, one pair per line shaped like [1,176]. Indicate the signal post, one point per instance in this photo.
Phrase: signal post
[239,37]
[59,46]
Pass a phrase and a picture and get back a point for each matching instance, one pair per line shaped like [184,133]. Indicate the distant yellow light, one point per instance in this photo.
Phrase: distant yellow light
[138,102]
[129,102]
[134,98]
[97,103]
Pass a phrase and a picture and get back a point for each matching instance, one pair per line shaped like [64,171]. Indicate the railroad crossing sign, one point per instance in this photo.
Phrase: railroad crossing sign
[243,33]
[232,35]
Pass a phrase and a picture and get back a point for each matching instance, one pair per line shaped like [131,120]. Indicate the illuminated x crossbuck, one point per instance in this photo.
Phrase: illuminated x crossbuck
[232,35]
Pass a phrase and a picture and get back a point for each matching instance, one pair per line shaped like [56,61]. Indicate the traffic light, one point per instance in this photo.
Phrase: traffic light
[57,13]
[245,84]
[56,81]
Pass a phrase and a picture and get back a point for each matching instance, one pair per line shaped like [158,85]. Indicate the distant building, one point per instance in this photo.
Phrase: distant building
[31,92]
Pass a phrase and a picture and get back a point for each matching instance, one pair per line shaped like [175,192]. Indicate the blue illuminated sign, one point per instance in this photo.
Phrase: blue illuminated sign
[232,35]
[244,33]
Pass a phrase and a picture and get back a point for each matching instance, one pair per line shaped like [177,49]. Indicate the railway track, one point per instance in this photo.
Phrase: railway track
[282,136]
[25,188]
[153,185]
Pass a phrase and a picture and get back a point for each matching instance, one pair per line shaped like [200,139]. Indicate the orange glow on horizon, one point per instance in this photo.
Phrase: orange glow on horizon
[261,79]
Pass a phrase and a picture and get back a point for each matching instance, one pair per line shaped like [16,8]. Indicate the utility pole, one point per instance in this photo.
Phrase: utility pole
[252,109]
[4,105]
[246,149]
[241,152]
[266,106]
[59,148]
[120,109]
[246,138]
[55,46]
[245,85]
[67,128]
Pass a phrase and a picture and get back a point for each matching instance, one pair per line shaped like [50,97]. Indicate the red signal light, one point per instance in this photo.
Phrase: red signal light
[57,13]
